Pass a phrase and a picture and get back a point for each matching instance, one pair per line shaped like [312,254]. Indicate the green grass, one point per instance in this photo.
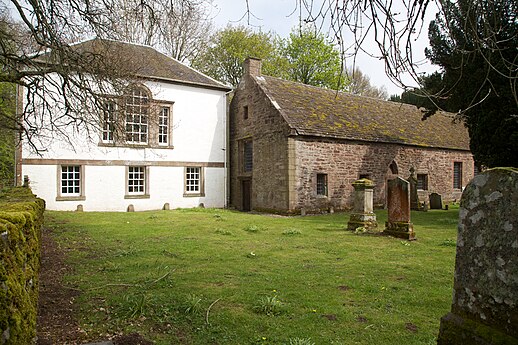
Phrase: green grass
[206,276]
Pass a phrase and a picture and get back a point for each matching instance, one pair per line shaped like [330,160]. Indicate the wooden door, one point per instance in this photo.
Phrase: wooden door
[246,192]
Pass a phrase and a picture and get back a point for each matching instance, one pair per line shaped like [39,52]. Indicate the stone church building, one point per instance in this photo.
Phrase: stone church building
[294,146]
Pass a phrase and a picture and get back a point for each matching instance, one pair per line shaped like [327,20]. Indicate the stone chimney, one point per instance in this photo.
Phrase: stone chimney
[252,67]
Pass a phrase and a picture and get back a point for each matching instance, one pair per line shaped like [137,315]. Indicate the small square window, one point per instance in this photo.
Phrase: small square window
[71,180]
[367,176]
[322,184]
[194,185]
[422,181]
[136,183]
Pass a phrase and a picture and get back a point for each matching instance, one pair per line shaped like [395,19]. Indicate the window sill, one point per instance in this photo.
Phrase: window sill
[138,196]
[188,195]
[139,146]
[71,198]
[321,196]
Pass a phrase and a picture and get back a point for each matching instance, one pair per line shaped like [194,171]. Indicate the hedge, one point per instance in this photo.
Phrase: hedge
[21,218]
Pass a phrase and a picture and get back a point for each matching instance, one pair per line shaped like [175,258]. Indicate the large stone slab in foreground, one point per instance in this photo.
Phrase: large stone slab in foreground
[485,299]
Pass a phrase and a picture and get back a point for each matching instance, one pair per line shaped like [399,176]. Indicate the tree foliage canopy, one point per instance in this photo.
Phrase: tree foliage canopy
[229,47]
[310,59]
[476,44]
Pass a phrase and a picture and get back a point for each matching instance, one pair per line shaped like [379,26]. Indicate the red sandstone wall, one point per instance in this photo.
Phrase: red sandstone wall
[344,161]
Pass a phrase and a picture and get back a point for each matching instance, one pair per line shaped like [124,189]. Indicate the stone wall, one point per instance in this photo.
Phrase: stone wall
[269,134]
[21,218]
[346,161]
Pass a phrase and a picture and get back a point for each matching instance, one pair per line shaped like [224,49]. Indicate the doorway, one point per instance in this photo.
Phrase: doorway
[246,192]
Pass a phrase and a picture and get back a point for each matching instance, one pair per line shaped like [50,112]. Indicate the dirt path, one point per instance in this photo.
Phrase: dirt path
[57,309]
[56,321]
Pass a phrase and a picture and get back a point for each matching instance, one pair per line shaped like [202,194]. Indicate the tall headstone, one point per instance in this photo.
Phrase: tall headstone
[414,198]
[398,204]
[484,310]
[363,212]
[435,201]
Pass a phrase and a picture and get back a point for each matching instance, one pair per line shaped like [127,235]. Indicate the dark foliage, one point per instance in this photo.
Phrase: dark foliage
[476,44]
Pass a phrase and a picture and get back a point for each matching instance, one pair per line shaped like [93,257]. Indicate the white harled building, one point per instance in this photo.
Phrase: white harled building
[169,148]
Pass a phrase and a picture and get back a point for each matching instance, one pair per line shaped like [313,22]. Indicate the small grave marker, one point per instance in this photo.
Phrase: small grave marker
[435,201]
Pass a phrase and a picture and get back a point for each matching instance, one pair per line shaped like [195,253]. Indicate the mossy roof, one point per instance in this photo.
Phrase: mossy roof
[321,112]
[145,61]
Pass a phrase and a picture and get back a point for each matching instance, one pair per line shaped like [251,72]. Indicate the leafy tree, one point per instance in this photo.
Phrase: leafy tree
[476,44]
[360,85]
[311,60]
[230,46]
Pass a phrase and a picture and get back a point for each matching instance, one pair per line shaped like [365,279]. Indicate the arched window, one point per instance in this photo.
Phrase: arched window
[137,115]
[393,168]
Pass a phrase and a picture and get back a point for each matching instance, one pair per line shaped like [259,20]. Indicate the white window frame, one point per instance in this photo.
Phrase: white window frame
[141,188]
[137,111]
[70,182]
[108,124]
[194,184]
[164,126]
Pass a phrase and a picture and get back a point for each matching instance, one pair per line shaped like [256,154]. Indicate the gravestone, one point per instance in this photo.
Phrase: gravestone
[363,212]
[484,310]
[398,204]
[166,207]
[414,198]
[131,208]
[435,201]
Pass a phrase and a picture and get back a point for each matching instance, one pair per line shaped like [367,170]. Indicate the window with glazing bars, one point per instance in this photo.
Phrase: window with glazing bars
[137,110]
[136,180]
[422,181]
[322,184]
[192,179]
[248,156]
[71,180]
[163,126]
[108,121]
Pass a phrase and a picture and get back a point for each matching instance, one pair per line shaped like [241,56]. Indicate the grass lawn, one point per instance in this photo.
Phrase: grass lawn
[210,276]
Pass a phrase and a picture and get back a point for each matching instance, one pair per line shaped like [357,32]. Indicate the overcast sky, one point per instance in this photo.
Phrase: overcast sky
[275,15]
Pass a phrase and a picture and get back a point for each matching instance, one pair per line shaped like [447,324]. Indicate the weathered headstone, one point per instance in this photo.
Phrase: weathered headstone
[363,212]
[131,208]
[166,207]
[414,198]
[398,204]
[79,208]
[435,201]
[485,298]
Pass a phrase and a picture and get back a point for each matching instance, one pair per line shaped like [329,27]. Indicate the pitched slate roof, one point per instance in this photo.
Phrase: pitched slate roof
[320,112]
[147,62]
